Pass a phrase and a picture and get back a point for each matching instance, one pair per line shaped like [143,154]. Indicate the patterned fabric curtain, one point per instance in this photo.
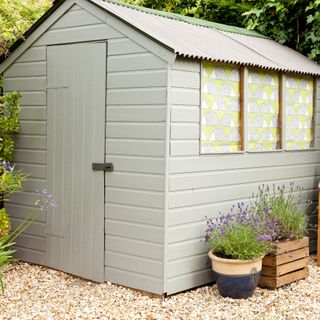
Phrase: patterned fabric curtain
[299,112]
[263,111]
[220,108]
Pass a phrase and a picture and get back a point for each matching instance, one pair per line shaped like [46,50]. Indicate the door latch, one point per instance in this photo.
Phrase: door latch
[102,166]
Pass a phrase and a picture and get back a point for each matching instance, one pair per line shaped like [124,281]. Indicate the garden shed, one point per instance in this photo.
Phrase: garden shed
[142,123]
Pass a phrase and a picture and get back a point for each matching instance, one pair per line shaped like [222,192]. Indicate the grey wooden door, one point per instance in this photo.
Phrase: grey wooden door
[76,89]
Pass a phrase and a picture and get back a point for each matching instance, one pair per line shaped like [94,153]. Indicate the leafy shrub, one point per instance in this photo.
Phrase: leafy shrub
[9,124]
[289,208]
[5,224]
[10,180]
[43,201]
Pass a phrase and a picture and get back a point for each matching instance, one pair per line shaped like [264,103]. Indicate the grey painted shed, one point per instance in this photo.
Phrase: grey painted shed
[193,116]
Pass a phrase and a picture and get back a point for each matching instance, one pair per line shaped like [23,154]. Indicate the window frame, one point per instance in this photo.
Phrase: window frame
[243,99]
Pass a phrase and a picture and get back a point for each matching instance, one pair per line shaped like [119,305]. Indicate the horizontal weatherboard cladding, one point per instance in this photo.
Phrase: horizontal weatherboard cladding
[201,186]
[135,144]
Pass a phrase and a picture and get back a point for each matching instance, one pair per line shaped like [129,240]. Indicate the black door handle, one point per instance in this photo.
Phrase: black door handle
[102,166]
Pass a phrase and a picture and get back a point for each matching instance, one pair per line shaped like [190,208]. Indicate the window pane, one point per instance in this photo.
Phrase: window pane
[299,112]
[220,108]
[263,111]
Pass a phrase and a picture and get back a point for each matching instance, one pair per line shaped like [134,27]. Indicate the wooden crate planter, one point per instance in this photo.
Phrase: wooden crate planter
[287,265]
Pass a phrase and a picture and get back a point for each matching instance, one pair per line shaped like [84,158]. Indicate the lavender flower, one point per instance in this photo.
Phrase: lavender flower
[7,166]
[44,200]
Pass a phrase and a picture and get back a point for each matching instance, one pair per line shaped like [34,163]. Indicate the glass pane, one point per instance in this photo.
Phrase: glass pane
[263,111]
[299,112]
[220,108]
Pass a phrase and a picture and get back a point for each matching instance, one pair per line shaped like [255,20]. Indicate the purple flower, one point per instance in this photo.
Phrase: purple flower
[44,200]
[7,166]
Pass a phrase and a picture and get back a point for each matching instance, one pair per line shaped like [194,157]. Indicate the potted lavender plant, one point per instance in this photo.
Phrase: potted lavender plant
[238,240]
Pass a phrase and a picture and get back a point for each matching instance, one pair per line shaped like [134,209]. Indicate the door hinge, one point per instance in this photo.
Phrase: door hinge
[102,166]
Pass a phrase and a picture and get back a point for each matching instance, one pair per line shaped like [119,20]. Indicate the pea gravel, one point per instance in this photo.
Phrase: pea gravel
[35,292]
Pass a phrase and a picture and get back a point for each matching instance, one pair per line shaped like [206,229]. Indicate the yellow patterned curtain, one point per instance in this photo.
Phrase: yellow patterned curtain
[220,108]
[263,111]
[299,112]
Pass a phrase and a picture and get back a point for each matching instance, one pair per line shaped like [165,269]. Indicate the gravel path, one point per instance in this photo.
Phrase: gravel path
[34,292]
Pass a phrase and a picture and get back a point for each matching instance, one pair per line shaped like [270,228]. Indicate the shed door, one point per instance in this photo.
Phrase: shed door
[76,138]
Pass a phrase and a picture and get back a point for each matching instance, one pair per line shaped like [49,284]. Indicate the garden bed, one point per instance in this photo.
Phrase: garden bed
[34,292]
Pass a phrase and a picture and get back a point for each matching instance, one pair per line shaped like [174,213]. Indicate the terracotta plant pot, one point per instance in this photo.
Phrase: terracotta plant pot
[236,279]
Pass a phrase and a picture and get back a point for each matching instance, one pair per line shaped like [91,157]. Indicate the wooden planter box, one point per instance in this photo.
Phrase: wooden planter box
[287,265]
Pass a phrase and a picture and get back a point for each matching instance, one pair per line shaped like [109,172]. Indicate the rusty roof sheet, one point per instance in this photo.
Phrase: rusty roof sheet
[187,38]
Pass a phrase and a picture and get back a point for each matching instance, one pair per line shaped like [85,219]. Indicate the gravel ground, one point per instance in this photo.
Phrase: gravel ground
[34,292]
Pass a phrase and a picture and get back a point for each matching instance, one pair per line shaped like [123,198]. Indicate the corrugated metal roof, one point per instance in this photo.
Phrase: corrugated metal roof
[205,40]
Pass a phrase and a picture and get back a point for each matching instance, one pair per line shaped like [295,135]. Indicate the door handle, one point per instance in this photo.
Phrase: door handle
[102,166]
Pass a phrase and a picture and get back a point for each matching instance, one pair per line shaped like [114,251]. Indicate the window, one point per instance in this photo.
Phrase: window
[220,108]
[299,112]
[250,109]
[263,111]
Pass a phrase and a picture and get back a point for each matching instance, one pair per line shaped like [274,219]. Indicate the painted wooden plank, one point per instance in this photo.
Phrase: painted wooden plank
[135,147]
[74,19]
[134,280]
[137,96]
[33,170]
[22,211]
[30,255]
[134,264]
[33,54]
[78,34]
[184,148]
[185,131]
[241,161]
[185,79]
[134,247]
[33,113]
[189,280]
[137,79]
[185,114]
[31,156]
[138,61]
[33,127]
[206,195]
[185,96]
[75,7]
[185,64]
[31,242]
[215,179]
[31,142]
[185,249]
[32,184]
[24,69]
[35,229]
[123,46]
[136,130]
[134,214]
[25,84]
[33,98]
[186,232]
[136,114]
[153,199]
[195,263]
[135,181]
[134,231]
[137,164]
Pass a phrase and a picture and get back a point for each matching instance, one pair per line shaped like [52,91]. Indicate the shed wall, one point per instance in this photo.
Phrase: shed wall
[201,186]
[135,144]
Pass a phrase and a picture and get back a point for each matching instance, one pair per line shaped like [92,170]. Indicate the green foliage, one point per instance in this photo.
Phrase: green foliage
[5,225]
[289,208]
[10,182]
[16,17]
[9,124]
[238,242]
[6,255]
